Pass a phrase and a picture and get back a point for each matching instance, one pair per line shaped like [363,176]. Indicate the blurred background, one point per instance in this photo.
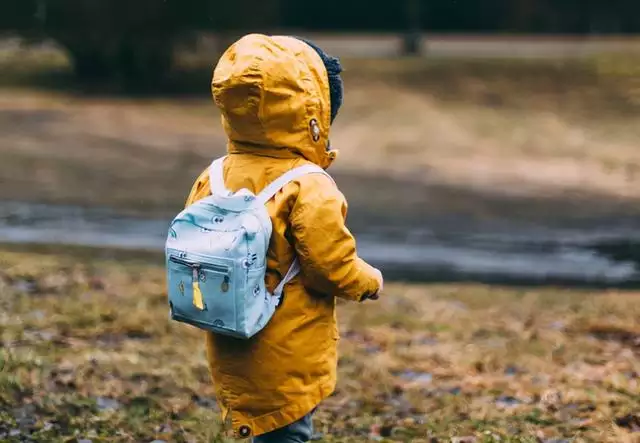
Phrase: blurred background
[490,155]
[500,134]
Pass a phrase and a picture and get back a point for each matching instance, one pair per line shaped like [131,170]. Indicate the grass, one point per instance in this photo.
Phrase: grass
[88,353]
[551,128]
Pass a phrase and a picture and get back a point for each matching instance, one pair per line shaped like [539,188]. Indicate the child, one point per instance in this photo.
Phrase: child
[278,97]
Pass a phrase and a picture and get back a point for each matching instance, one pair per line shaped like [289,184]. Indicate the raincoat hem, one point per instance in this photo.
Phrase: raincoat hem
[284,416]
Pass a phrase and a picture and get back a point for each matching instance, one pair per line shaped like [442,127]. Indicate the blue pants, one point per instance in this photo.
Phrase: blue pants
[297,432]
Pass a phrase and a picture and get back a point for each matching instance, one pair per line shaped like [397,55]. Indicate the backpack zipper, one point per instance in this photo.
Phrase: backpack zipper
[198,301]
[217,268]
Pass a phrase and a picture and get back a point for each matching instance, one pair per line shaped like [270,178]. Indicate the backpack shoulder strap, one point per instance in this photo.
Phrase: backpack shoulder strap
[216,177]
[275,186]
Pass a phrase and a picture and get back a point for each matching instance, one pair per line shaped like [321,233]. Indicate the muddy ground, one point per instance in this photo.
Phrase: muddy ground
[88,354]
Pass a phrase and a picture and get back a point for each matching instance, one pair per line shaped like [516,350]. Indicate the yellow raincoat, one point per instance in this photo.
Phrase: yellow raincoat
[273,94]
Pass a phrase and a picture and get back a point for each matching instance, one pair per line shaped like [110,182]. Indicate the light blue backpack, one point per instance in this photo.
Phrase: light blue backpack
[216,253]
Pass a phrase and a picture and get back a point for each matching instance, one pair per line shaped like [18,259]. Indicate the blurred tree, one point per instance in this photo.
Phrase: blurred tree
[117,39]
[130,41]
[413,33]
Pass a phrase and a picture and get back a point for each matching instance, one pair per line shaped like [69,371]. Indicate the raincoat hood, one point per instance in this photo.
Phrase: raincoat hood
[273,94]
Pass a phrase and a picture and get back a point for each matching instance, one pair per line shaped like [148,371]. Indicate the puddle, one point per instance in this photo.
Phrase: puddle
[508,402]
[511,371]
[521,254]
[107,404]
[416,377]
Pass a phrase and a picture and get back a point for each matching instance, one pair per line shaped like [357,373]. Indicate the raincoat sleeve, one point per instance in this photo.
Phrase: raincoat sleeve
[325,247]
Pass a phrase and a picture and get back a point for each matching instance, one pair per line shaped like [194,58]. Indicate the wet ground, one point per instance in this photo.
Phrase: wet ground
[434,233]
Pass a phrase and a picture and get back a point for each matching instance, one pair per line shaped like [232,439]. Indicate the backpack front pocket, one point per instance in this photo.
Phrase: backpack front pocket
[202,294]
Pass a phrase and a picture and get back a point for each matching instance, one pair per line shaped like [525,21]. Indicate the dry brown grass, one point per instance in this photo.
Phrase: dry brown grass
[516,127]
[88,352]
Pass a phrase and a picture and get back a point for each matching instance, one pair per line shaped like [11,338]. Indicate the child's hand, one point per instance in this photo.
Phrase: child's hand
[380,279]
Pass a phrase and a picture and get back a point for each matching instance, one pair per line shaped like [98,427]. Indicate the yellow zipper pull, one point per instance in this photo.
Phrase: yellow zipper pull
[197,295]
